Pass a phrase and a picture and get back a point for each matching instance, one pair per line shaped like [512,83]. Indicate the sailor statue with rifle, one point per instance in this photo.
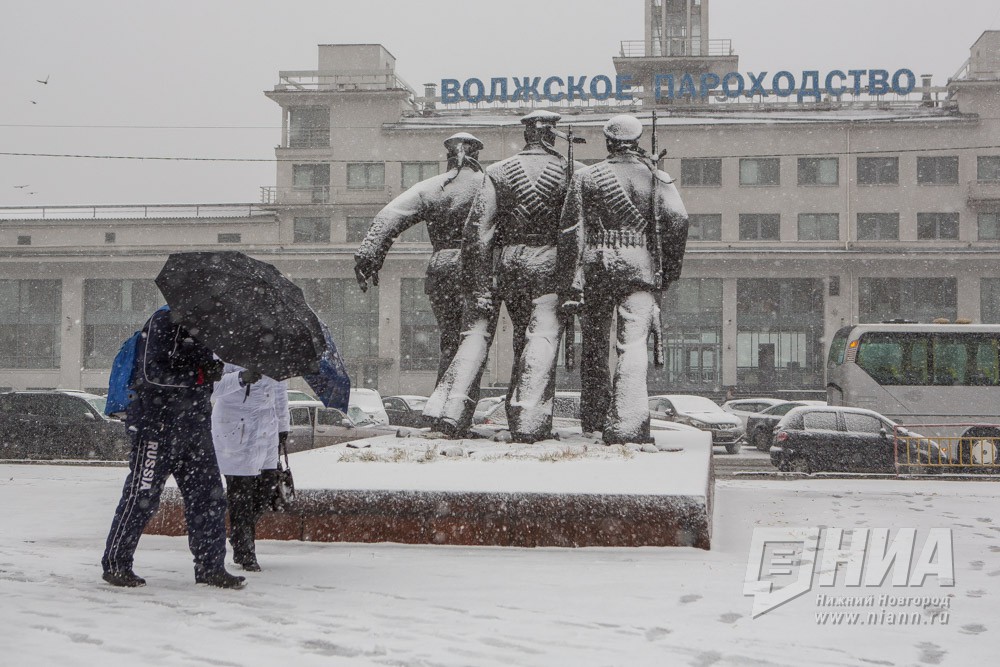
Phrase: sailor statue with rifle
[625,230]
[509,256]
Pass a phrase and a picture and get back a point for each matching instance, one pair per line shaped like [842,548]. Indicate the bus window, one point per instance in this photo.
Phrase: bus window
[915,360]
[838,346]
[881,356]
[949,360]
[985,358]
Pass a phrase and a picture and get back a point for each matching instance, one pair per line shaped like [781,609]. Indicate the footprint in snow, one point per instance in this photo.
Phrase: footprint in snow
[977,564]
[692,597]
[978,593]
[973,629]
[731,617]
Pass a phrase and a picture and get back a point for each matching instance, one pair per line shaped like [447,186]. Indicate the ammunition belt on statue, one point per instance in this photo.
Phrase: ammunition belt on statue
[617,203]
[539,199]
[617,238]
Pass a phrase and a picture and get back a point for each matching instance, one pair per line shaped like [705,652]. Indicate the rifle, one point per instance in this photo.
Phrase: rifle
[569,327]
[657,250]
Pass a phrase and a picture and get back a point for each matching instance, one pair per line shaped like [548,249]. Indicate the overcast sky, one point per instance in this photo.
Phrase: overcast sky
[185,78]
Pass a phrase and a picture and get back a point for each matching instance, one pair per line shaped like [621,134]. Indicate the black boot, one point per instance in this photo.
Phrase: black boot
[124,578]
[247,562]
[219,579]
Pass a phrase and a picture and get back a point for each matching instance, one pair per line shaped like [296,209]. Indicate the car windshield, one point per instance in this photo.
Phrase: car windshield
[98,402]
[359,416]
[693,404]
[299,396]
[781,409]
[416,403]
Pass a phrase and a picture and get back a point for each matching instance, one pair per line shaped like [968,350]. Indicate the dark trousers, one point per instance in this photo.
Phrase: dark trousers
[249,498]
[447,308]
[184,450]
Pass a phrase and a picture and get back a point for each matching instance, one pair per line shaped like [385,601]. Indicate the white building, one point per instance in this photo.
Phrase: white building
[806,215]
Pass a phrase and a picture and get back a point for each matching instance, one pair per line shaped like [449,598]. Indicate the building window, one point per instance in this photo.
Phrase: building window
[705,171]
[760,171]
[989,301]
[414,172]
[357,228]
[30,311]
[937,226]
[693,343]
[313,179]
[352,316]
[23,240]
[229,238]
[760,227]
[311,230]
[988,168]
[366,176]
[819,171]
[109,237]
[920,299]
[112,310]
[705,227]
[878,226]
[309,127]
[819,226]
[779,329]
[989,226]
[419,338]
[878,170]
[941,170]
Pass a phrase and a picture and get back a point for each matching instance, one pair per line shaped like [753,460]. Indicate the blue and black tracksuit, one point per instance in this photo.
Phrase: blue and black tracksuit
[170,424]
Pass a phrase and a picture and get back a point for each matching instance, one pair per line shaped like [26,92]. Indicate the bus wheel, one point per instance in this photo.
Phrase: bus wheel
[980,446]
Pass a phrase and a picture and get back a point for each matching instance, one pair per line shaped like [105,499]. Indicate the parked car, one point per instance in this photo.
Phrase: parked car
[744,407]
[59,425]
[406,410]
[484,406]
[321,427]
[835,438]
[562,415]
[369,402]
[296,397]
[702,413]
[760,426]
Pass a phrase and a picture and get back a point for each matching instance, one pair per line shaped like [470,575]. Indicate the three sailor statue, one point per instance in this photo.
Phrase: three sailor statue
[551,239]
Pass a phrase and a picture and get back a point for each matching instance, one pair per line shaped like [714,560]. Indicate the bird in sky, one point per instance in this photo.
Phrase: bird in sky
[34,102]
[22,186]
[45,81]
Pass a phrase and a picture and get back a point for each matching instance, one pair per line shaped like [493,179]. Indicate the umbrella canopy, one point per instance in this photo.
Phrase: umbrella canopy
[331,383]
[244,310]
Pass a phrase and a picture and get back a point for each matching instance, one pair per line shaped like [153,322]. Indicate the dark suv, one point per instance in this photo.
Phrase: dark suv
[59,425]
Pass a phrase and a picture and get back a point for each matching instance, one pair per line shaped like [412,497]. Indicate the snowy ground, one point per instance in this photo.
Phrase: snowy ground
[350,604]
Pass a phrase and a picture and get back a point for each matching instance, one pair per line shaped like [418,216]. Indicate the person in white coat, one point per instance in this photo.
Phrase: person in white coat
[249,419]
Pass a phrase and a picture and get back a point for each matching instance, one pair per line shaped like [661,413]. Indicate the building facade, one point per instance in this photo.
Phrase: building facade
[806,215]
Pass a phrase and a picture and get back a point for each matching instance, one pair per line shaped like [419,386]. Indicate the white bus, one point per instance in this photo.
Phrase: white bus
[923,374]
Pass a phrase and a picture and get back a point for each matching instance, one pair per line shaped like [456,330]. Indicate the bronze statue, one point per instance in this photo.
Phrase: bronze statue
[442,201]
[509,256]
[626,228]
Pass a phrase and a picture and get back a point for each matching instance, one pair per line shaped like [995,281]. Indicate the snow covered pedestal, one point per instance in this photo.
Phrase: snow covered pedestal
[571,492]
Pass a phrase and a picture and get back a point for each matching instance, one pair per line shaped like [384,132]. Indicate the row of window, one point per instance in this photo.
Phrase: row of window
[936,170]
[826,226]
[30,313]
[361,175]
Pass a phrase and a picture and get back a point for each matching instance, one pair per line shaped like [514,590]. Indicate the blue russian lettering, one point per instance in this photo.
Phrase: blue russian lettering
[574,91]
[804,88]
[757,84]
[776,86]
[467,91]
[878,82]
[727,89]
[525,87]
[911,82]
[608,87]
[496,82]
[658,80]
[686,89]
[856,75]
[623,87]
[547,89]
[709,82]
[830,90]
[450,91]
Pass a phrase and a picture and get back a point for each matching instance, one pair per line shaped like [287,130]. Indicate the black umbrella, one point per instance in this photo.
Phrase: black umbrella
[244,310]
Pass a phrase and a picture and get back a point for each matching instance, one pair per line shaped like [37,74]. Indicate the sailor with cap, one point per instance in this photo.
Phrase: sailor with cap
[509,256]
[442,201]
[609,223]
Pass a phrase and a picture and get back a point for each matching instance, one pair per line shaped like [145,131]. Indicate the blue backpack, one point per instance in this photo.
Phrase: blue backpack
[120,392]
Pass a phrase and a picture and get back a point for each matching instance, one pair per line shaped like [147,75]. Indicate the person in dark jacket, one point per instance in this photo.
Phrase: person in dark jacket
[170,424]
